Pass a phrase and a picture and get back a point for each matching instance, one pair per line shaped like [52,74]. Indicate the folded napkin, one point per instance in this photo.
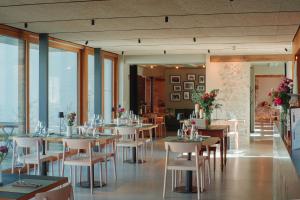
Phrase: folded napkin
[25,184]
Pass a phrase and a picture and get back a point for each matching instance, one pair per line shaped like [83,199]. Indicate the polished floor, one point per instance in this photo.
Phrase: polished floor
[248,175]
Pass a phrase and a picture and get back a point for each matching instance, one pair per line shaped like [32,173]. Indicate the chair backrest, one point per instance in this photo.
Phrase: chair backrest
[180,147]
[126,131]
[159,120]
[78,143]
[27,142]
[63,193]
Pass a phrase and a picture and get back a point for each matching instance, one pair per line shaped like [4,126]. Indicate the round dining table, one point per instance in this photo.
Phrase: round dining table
[204,141]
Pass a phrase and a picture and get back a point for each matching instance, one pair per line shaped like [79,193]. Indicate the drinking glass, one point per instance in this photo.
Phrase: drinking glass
[20,163]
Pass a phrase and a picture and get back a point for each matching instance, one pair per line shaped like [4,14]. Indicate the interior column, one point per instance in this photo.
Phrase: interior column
[133,87]
[98,81]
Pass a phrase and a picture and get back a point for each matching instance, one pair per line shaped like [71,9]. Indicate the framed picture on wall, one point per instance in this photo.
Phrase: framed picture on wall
[177,88]
[175,96]
[175,78]
[201,88]
[201,79]
[186,95]
[188,85]
[191,77]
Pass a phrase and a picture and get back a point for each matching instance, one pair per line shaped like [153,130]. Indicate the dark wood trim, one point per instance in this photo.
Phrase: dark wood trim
[269,75]
[83,87]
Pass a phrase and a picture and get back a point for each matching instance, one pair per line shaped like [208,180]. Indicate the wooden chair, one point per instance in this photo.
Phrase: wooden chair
[161,125]
[183,165]
[129,139]
[33,154]
[87,159]
[63,193]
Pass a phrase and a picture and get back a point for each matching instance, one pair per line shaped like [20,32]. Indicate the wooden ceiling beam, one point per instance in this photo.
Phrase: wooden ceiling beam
[251,58]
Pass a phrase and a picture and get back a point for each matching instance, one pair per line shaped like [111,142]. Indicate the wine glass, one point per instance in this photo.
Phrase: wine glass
[20,163]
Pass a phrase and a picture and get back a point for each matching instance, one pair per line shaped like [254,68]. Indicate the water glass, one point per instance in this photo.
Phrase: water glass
[20,163]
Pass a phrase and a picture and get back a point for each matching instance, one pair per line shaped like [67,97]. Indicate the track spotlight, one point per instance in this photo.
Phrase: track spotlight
[139,40]
[86,42]
[92,22]
[286,50]
[165,52]
[208,51]
[166,19]
[26,25]
[194,39]
[122,52]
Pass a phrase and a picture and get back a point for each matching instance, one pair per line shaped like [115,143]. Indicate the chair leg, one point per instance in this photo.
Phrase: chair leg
[115,167]
[106,171]
[136,154]
[202,178]
[71,175]
[100,166]
[58,165]
[75,175]
[165,181]
[52,171]
[198,183]
[28,172]
[172,185]
[80,173]
[62,169]
[214,161]
[91,179]
[34,169]
[208,172]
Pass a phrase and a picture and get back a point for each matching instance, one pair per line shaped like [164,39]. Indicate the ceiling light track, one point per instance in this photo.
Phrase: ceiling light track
[151,16]
[51,3]
[176,28]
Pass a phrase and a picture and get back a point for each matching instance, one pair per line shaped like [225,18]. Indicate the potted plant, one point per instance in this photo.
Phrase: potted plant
[70,123]
[207,102]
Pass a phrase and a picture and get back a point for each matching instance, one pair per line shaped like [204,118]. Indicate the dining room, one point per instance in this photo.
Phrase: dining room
[112,99]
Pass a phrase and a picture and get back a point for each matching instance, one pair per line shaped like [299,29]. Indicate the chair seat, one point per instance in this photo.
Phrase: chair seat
[181,165]
[84,160]
[32,158]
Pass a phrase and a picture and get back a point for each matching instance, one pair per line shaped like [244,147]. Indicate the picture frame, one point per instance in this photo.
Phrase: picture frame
[175,79]
[188,85]
[177,88]
[186,95]
[191,77]
[175,96]
[201,88]
[201,79]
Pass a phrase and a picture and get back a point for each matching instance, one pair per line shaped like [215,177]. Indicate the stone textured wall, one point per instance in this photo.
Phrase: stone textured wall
[233,80]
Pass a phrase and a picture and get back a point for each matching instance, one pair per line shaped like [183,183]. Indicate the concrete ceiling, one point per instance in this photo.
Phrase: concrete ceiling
[222,26]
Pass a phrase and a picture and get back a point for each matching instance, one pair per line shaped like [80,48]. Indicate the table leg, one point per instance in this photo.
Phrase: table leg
[86,184]
[188,188]
[133,150]
[225,150]
[221,151]
[44,164]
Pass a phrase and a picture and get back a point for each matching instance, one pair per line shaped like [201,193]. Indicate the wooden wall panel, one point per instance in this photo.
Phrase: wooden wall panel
[83,86]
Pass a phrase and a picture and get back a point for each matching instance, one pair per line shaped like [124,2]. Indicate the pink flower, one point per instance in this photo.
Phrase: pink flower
[3,149]
[278,101]
[193,122]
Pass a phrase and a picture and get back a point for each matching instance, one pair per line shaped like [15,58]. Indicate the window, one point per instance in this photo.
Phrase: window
[62,84]
[12,81]
[108,89]
[33,85]
[91,74]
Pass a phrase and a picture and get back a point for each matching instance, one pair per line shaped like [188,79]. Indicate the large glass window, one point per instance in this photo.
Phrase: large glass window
[91,74]
[108,89]
[62,84]
[12,79]
[33,85]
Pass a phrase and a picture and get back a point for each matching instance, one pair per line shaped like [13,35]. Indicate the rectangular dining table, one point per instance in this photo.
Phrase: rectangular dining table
[219,131]
[8,191]
[139,128]
[58,138]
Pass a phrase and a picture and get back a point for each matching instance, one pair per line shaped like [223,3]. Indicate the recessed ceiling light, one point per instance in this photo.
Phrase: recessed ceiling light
[92,22]
[151,66]
[26,25]
[166,19]
[203,66]
[177,67]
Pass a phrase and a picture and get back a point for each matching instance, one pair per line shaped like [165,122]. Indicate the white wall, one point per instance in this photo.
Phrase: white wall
[233,80]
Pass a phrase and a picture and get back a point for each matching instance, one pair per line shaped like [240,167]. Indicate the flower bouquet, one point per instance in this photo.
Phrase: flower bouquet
[120,111]
[207,101]
[3,154]
[281,96]
[70,122]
